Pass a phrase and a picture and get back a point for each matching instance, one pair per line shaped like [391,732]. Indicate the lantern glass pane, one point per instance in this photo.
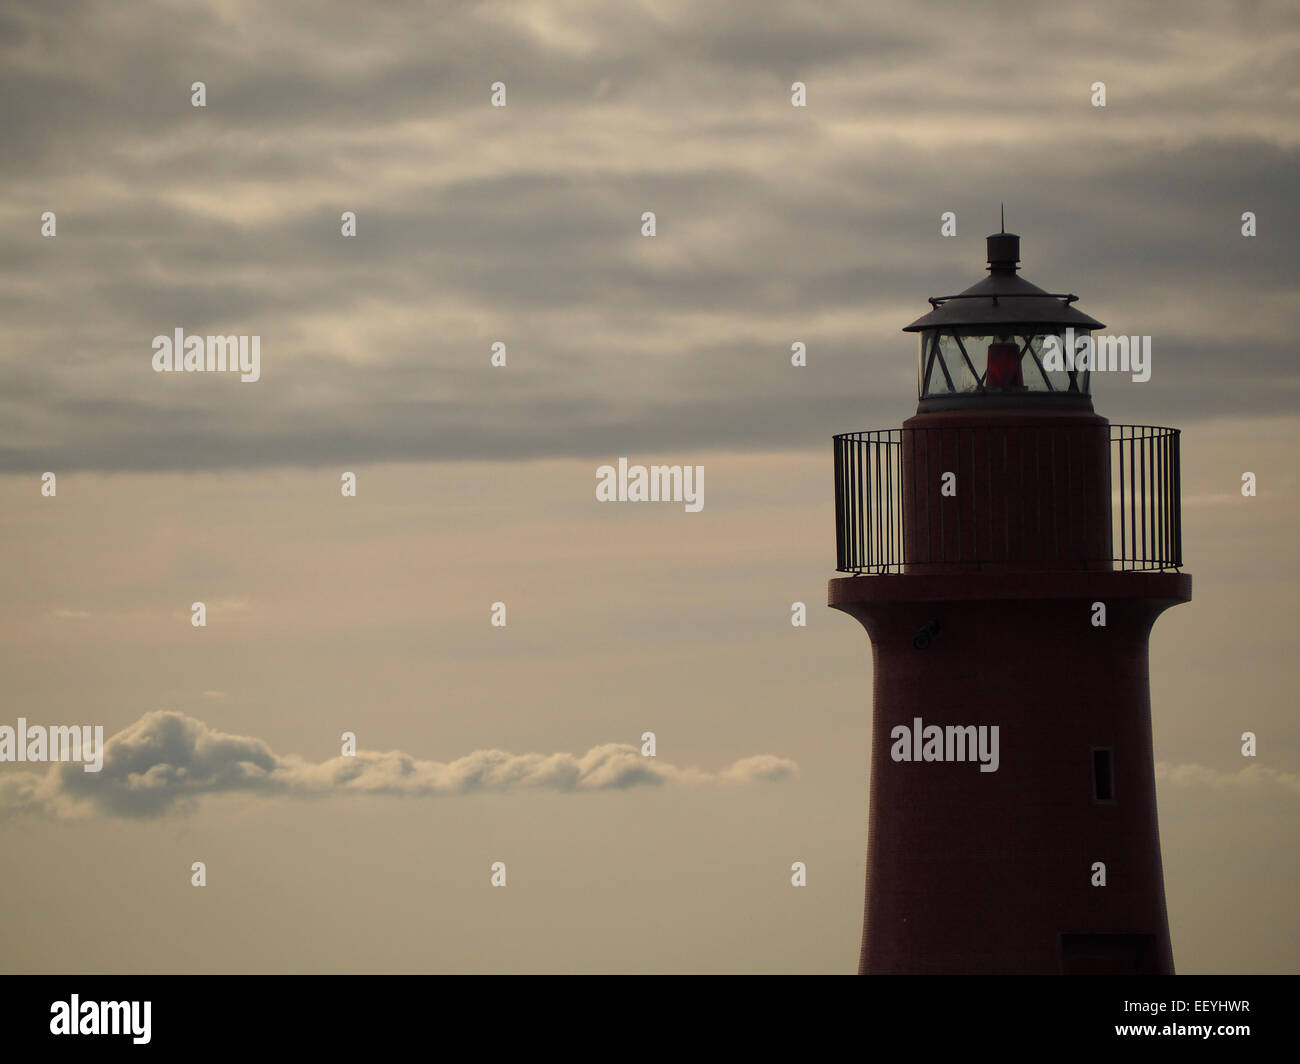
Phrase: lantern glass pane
[959,362]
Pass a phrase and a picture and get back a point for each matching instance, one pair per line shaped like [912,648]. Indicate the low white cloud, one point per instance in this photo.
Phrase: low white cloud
[1254,777]
[761,767]
[167,760]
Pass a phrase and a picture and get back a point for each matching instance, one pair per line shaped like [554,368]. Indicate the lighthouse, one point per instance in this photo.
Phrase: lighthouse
[1007,551]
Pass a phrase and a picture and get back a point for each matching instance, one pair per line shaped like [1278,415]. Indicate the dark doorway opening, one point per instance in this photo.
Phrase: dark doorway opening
[1108,955]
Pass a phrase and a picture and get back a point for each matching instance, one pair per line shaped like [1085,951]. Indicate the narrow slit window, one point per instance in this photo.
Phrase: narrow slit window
[1103,780]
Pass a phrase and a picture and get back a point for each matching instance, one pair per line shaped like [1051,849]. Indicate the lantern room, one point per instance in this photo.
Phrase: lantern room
[1003,342]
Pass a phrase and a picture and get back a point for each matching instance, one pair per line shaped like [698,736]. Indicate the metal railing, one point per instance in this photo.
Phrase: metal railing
[1074,496]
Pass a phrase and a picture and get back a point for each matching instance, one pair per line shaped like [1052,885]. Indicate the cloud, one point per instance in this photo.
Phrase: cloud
[760,767]
[167,760]
[1256,777]
[521,223]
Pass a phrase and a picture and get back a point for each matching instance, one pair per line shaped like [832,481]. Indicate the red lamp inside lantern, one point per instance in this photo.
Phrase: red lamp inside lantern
[1003,370]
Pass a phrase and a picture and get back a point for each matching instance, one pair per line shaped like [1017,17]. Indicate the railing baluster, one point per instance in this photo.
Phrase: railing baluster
[873,471]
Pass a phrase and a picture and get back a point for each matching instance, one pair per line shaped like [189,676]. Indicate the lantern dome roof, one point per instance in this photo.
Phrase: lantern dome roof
[1003,298]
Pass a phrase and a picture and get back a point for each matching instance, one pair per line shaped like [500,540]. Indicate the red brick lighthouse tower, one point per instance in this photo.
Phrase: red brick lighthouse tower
[1010,551]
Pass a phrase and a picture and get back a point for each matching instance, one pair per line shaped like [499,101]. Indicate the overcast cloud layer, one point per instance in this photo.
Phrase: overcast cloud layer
[521,224]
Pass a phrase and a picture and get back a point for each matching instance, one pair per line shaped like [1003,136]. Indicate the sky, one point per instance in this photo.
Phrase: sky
[522,225]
